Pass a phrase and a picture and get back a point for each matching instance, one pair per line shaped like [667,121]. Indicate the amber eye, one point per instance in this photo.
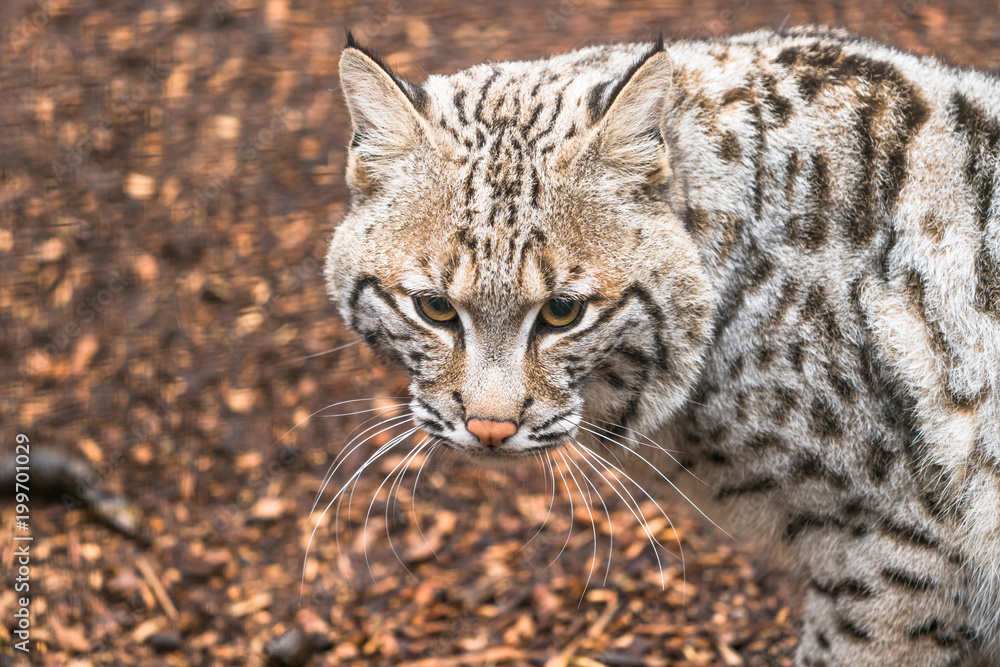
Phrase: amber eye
[561,312]
[436,308]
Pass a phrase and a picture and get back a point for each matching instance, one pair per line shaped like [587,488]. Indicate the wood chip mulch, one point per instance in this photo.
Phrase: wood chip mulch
[169,175]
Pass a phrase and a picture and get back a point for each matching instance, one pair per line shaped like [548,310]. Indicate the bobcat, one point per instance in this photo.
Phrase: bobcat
[777,255]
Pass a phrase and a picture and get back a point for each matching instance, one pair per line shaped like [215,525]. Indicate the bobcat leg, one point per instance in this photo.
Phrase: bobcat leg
[883,602]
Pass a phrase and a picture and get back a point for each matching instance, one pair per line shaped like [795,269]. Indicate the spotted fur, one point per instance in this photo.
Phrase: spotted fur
[789,248]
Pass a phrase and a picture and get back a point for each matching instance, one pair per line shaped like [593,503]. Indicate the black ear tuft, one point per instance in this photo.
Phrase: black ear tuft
[351,42]
[416,94]
[602,98]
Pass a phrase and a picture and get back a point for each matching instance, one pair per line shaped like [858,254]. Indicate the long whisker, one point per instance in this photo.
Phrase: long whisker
[572,513]
[361,429]
[353,481]
[672,485]
[607,512]
[435,443]
[637,513]
[354,476]
[612,437]
[398,484]
[393,422]
[354,487]
[401,466]
[381,412]
[361,412]
[586,455]
[347,450]
[652,444]
[642,521]
[594,525]
[593,421]
[620,469]
[599,438]
[399,421]
[611,467]
[332,405]
[552,497]
[330,351]
[545,476]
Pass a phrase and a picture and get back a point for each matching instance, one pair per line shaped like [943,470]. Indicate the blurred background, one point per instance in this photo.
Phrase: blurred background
[170,172]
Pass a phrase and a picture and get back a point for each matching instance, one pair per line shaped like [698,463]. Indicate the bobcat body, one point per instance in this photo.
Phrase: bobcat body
[776,254]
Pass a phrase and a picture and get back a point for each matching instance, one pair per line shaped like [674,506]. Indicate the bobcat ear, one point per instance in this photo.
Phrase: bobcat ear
[626,119]
[386,114]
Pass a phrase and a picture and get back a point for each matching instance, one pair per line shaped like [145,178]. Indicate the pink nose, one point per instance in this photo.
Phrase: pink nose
[491,433]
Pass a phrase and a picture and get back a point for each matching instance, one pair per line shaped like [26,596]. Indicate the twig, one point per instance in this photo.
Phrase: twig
[156,585]
[565,657]
[477,658]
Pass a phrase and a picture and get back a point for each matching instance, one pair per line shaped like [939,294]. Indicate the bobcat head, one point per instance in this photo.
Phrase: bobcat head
[514,241]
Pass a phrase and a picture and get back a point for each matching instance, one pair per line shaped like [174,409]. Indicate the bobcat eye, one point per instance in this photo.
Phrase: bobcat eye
[435,308]
[561,312]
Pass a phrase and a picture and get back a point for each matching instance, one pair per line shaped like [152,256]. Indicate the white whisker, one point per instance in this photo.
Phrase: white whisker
[569,496]
[590,421]
[611,437]
[398,483]
[401,466]
[681,493]
[642,520]
[611,467]
[347,450]
[398,420]
[552,497]
[354,476]
[599,440]
[332,405]
[611,543]
[637,512]
[435,443]
[593,524]
[361,412]
[549,512]
[330,351]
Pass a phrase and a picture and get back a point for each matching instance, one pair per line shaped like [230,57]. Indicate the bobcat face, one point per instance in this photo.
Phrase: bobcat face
[498,246]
